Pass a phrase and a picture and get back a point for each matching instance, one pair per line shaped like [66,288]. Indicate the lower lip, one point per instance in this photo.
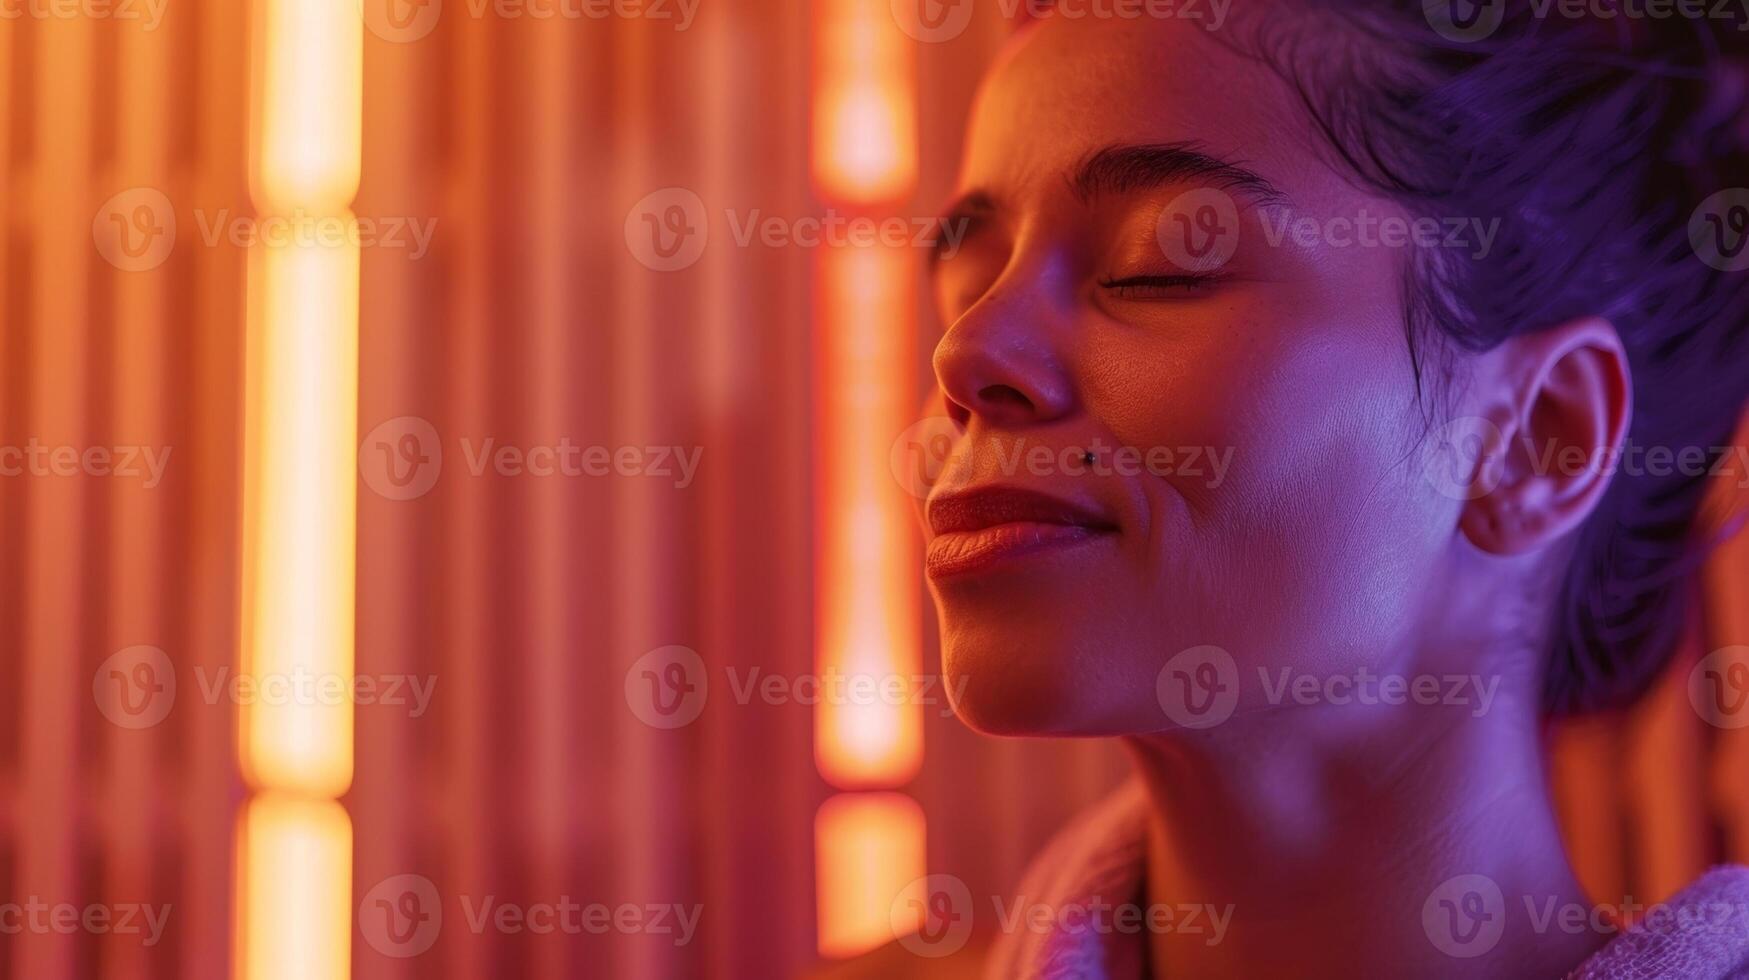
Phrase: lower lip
[966,552]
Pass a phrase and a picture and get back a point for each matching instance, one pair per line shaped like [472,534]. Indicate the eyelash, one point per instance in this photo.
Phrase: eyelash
[1129,287]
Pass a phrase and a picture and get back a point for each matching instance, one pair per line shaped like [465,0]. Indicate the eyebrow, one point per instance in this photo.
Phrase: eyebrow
[1124,168]
[1127,167]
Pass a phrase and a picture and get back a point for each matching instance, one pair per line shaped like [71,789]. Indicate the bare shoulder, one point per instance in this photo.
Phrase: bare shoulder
[894,960]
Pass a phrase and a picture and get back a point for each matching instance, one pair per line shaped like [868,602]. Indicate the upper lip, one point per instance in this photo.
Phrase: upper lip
[976,509]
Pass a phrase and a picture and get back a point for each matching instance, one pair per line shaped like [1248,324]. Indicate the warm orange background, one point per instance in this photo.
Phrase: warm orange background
[528,141]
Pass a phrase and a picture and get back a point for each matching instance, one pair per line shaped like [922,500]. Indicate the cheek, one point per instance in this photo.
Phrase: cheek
[1312,542]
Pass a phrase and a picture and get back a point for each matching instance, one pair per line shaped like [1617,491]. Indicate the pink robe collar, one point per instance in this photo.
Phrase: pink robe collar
[1101,857]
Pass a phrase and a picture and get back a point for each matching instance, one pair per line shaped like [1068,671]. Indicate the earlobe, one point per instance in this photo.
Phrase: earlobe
[1560,400]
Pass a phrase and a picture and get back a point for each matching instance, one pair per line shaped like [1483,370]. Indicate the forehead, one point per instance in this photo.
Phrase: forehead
[1065,88]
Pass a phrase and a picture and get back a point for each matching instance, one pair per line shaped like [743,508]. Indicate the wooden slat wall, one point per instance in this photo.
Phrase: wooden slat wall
[94,355]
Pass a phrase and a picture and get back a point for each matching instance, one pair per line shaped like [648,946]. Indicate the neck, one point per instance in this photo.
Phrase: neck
[1324,852]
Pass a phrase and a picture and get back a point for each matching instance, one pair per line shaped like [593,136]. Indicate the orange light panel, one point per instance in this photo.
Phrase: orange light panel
[869,848]
[865,124]
[869,615]
[295,899]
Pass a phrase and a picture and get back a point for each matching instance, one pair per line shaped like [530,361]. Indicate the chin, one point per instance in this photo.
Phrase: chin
[1027,684]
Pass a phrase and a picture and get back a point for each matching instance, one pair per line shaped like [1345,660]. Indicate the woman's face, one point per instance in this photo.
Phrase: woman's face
[1257,485]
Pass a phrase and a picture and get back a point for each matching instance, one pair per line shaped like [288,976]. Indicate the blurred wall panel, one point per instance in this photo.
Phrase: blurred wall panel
[59,648]
[121,138]
[531,598]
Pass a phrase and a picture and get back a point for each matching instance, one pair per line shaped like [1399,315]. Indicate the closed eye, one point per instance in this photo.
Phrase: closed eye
[1161,287]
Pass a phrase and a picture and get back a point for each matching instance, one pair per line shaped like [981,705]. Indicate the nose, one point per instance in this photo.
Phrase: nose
[1000,362]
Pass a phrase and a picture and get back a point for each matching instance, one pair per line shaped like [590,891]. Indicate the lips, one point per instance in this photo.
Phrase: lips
[977,530]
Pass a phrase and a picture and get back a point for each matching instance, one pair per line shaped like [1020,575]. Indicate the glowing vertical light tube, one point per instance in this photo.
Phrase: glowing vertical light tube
[299,492]
[864,118]
[296,896]
[869,850]
[869,616]
[868,845]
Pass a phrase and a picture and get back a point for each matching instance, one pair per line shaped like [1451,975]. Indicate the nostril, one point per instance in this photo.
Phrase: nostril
[1003,396]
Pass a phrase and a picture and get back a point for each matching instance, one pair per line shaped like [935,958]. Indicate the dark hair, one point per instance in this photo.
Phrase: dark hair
[1594,139]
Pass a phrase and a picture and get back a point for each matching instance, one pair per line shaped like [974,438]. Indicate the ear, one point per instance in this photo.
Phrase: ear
[1560,401]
